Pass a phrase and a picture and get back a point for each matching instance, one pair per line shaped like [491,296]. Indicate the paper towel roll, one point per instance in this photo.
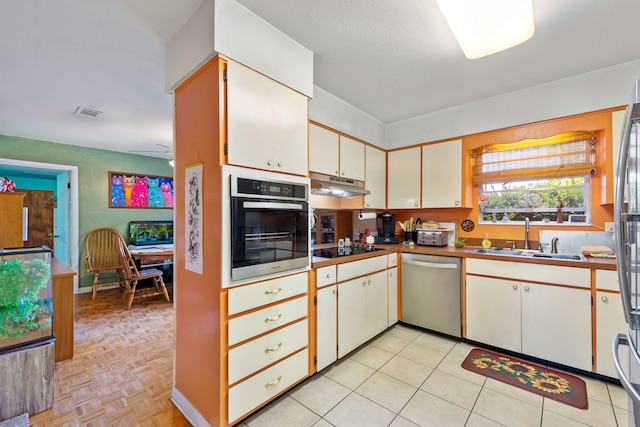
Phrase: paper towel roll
[366,215]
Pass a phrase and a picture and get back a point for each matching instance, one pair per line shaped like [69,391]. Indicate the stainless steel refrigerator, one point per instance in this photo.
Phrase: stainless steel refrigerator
[627,238]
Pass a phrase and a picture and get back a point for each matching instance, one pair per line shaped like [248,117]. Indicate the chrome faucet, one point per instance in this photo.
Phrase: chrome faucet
[526,233]
[554,245]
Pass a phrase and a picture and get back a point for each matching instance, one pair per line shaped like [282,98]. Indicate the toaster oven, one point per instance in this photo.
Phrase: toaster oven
[432,238]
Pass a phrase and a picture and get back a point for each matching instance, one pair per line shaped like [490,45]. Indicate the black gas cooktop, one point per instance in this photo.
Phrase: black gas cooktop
[336,252]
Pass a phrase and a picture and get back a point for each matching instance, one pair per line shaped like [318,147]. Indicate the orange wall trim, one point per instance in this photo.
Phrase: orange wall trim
[200,309]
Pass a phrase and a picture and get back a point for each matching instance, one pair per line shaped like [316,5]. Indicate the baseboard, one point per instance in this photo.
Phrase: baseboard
[187,409]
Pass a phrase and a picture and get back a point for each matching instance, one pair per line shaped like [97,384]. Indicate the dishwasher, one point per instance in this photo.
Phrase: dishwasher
[431,292]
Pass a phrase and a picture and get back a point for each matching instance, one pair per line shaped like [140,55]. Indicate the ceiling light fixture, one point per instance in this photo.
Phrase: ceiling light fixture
[87,112]
[171,162]
[484,27]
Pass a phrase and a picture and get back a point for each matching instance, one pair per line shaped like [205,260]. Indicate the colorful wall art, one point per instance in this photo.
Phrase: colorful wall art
[128,190]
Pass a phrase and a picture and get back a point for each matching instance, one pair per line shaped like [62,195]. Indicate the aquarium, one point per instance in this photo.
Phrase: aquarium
[143,233]
[26,310]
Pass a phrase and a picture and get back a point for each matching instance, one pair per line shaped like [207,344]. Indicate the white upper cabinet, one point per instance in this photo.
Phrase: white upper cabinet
[266,123]
[324,148]
[333,154]
[351,158]
[442,175]
[375,178]
[403,179]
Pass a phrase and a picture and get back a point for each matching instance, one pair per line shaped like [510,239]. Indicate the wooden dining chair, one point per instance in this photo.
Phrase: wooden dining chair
[133,276]
[103,258]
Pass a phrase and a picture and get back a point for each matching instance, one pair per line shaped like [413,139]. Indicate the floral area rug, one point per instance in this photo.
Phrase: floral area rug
[545,382]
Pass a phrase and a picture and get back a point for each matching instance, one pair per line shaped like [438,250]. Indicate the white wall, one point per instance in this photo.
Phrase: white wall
[605,88]
[332,111]
[228,28]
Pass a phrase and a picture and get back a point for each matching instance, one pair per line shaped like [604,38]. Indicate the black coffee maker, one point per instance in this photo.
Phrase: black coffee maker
[386,228]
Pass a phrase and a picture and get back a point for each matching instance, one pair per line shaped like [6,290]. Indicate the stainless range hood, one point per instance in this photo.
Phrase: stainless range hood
[325,185]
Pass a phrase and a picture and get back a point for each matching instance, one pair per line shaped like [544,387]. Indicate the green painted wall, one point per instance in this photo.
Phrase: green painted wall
[93,174]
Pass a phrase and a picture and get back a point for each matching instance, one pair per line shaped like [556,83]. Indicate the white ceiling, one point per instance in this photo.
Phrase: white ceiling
[390,59]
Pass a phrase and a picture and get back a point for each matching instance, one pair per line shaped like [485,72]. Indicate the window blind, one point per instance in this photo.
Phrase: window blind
[563,155]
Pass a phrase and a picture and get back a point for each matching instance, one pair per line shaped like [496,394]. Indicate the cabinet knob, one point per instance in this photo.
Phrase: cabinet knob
[390,274]
[604,299]
[328,275]
[273,319]
[457,203]
[343,173]
[272,349]
[272,291]
[334,291]
[364,283]
[369,282]
[279,164]
[526,288]
[415,203]
[515,287]
[268,162]
[337,172]
[273,383]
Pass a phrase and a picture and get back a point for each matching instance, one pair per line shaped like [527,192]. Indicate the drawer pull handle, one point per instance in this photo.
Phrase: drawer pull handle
[272,291]
[272,349]
[274,383]
[273,319]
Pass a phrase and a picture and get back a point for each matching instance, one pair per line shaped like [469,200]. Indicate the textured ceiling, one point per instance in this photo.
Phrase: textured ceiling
[390,59]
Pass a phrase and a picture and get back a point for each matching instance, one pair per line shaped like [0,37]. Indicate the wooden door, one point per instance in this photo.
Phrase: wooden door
[40,204]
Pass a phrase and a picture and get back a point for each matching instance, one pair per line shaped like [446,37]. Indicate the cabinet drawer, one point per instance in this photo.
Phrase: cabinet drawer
[262,387]
[265,320]
[607,280]
[245,298]
[555,274]
[325,276]
[256,354]
[353,269]
[392,260]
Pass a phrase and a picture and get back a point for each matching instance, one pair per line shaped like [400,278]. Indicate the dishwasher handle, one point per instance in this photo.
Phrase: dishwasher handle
[429,264]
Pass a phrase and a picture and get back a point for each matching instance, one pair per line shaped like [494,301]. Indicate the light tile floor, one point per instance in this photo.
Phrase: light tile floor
[408,378]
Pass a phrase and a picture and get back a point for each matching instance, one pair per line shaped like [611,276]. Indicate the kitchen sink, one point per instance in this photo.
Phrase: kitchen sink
[529,254]
[499,251]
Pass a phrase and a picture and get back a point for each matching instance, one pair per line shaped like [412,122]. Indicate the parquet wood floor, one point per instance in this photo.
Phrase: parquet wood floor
[122,370]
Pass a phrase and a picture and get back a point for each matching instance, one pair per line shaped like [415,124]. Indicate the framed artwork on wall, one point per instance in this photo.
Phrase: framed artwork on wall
[129,190]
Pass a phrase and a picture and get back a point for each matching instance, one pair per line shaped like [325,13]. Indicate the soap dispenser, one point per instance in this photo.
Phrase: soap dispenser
[486,243]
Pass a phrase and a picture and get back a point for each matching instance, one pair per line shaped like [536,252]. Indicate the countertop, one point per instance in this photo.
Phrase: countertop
[466,252]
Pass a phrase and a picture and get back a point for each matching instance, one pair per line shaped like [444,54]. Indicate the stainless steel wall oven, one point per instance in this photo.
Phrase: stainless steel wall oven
[269,224]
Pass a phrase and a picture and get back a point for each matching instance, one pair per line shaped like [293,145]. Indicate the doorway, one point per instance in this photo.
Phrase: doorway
[66,210]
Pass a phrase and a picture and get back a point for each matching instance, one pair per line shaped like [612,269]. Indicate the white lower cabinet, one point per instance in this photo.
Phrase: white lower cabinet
[494,313]
[392,288]
[541,320]
[267,384]
[362,310]
[256,354]
[609,322]
[267,341]
[556,324]
[355,301]
[327,326]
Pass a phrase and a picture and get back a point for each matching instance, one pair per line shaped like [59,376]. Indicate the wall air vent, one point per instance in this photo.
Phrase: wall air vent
[87,112]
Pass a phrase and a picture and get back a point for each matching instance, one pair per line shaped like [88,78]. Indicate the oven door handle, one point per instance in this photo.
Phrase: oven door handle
[273,205]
